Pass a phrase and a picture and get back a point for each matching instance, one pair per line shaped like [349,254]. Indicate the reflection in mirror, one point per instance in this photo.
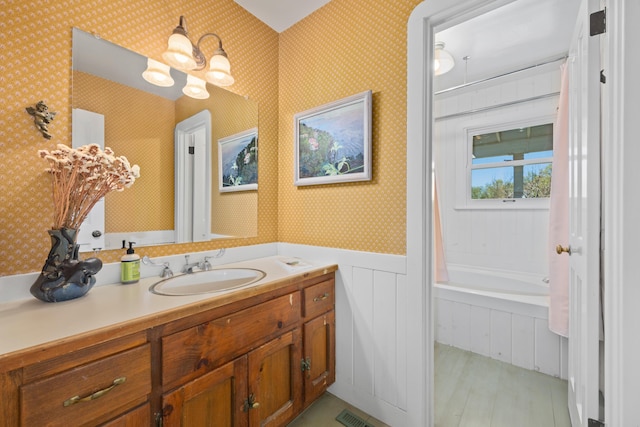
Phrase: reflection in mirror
[140,120]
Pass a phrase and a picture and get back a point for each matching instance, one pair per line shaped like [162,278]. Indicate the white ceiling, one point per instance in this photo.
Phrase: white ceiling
[517,35]
[281,14]
[522,33]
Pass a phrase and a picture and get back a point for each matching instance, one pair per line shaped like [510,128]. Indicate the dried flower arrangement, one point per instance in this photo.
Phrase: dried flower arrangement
[81,177]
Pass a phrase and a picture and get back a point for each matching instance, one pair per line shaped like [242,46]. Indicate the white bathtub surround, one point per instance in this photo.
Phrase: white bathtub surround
[371,329]
[510,325]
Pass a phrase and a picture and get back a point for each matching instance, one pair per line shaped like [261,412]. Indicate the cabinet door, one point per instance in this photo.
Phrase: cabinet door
[215,399]
[319,355]
[275,380]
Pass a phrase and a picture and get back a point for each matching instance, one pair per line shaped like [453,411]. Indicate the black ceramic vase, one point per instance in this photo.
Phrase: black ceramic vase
[63,277]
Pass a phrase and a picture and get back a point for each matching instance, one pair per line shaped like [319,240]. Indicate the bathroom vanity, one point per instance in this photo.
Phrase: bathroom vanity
[254,356]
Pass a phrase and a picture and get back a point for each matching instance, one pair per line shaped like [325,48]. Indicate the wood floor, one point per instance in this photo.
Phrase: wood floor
[474,390]
[324,411]
[471,390]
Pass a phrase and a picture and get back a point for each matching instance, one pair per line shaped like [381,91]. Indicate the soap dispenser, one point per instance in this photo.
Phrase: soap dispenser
[130,265]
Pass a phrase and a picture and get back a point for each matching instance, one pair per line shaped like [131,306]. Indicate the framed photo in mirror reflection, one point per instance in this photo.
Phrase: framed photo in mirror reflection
[238,161]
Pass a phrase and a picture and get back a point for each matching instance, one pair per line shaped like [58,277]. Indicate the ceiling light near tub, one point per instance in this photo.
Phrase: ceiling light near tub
[182,54]
[443,61]
[157,73]
[195,88]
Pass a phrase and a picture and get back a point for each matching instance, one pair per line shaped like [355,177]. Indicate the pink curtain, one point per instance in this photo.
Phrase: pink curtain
[559,216]
[441,274]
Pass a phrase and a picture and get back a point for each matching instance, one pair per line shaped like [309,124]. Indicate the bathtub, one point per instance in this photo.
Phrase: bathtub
[498,287]
[499,314]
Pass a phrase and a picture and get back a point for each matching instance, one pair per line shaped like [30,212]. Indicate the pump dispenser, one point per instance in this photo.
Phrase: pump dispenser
[130,265]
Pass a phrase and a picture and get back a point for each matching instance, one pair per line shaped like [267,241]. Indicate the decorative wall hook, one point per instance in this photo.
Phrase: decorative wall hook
[42,117]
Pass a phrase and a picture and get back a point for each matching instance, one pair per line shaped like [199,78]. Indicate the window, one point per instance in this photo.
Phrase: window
[507,165]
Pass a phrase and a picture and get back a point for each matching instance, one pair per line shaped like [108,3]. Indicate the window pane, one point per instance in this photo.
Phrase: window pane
[492,183]
[514,144]
[515,182]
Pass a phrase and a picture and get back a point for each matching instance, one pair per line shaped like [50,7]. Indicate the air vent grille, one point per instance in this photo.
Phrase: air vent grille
[349,419]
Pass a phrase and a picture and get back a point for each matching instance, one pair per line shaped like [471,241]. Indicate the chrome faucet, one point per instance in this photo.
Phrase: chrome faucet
[204,265]
[166,271]
[188,267]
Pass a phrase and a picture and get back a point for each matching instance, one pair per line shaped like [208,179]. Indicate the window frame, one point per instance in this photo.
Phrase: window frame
[463,193]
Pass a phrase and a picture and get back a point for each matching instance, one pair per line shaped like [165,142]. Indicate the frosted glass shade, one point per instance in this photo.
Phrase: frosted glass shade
[157,73]
[443,61]
[179,53]
[195,88]
[219,72]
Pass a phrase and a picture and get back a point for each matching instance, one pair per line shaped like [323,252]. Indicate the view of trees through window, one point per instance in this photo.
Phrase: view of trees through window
[512,164]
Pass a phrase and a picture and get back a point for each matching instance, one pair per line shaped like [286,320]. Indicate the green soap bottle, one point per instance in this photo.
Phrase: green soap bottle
[129,265]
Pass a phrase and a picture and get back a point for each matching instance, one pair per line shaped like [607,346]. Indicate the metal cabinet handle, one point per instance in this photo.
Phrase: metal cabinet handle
[321,297]
[97,394]
[250,403]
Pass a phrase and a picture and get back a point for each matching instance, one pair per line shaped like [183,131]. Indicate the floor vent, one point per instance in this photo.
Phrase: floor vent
[349,419]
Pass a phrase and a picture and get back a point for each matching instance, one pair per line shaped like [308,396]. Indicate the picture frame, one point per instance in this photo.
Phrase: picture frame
[238,161]
[333,142]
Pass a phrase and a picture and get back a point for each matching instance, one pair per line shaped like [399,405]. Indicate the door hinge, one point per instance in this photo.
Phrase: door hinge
[192,150]
[305,364]
[158,419]
[595,423]
[598,22]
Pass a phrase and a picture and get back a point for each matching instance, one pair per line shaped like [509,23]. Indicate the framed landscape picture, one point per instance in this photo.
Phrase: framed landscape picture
[333,142]
[238,161]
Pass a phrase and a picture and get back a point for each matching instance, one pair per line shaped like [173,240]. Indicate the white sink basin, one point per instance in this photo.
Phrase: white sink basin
[210,281]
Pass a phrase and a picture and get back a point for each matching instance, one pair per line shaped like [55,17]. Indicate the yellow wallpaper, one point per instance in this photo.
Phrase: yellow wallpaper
[35,64]
[130,133]
[327,56]
[344,48]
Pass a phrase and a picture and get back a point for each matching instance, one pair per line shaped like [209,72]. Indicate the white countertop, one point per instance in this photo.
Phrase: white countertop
[30,322]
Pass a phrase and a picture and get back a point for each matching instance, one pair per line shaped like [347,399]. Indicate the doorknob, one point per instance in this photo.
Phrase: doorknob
[560,249]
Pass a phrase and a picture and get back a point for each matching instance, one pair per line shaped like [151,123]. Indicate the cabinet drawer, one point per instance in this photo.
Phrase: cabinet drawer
[319,298]
[192,352]
[103,388]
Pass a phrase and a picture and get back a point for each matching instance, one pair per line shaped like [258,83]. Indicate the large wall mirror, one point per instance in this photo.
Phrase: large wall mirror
[139,120]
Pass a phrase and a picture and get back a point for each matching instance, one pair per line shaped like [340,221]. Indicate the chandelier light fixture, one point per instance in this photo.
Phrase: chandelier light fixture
[183,55]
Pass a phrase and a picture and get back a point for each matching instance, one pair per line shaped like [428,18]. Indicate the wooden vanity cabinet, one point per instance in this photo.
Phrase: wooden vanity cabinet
[258,360]
[248,368]
[319,362]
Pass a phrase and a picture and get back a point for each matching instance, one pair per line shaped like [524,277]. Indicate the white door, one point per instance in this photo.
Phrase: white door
[193,178]
[88,128]
[584,220]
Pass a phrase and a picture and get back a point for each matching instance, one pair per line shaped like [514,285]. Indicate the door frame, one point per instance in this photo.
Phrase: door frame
[622,230]
[622,349]
[183,190]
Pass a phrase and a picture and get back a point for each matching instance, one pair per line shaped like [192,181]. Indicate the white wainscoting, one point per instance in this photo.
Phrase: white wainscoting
[371,329]
[518,335]
[510,239]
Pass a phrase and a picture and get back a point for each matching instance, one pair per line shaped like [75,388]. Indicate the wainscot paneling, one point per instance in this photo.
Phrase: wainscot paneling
[511,239]
[519,336]
[371,329]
